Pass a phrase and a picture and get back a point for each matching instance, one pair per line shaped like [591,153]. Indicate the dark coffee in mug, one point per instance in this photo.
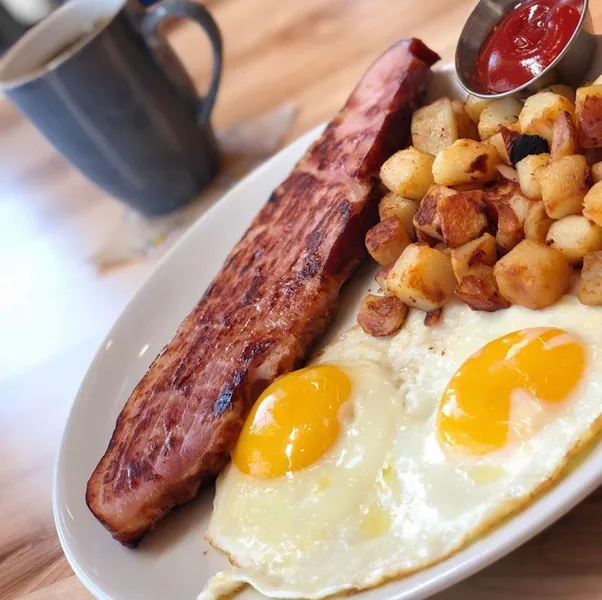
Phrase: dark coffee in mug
[105,88]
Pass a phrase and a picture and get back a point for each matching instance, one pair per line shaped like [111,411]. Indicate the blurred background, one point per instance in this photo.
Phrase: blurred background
[16,16]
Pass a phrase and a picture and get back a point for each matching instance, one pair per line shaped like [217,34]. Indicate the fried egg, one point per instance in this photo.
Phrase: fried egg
[387,455]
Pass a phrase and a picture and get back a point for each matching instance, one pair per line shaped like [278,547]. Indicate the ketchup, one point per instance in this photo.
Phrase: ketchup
[526,41]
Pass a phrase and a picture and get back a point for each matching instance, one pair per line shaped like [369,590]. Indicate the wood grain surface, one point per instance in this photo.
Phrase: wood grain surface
[55,308]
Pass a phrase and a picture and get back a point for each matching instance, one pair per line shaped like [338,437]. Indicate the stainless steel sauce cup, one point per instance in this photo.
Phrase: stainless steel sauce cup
[569,67]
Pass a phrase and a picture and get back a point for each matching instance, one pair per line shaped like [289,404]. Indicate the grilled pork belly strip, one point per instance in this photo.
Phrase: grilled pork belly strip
[271,301]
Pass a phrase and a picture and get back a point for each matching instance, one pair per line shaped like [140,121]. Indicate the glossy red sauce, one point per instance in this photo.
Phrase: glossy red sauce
[526,41]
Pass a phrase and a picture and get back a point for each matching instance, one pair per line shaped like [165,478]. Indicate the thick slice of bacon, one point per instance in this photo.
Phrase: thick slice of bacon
[273,298]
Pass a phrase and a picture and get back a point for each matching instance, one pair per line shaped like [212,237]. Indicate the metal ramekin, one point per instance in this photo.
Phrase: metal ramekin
[569,67]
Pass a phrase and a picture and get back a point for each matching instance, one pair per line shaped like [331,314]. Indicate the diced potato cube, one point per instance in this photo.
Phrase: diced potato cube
[469,187]
[592,204]
[508,173]
[466,161]
[434,126]
[381,315]
[479,289]
[590,285]
[589,116]
[575,236]
[427,218]
[387,240]
[511,218]
[564,137]
[592,155]
[596,171]
[533,275]
[425,238]
[537,223]
[497,141]
[462,217]
[479,251]
[562,89]
[475,106]
[422,277]
[563,183]
[433,317]
[497,194]
[541,110]
[381,279]
[467,129]
[443,247]
[507,209]
[392,205]
[408,173]
[526,168]
[503,112]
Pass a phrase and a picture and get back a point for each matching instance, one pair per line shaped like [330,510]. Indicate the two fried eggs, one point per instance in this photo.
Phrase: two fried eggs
[388,455]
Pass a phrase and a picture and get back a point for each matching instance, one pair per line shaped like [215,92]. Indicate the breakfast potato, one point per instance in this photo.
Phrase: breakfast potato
[511,217]
[427,218]
[507,173]
[381,279]
[467,129]
[575,236]
[592,204]
[387,240]
[433,317]
[590,285]
[563,90]
[596,172]
[564,183]
[434,126]
[592,155]
[408,173]
[443,247]
[392,205]
[381,315]
[462,217]
[589,115]
[541,110]
[503,112]
[422,277]
[537,223]
[480,251]
[497,141]
[466,161]
[526,168]
[507,209]
[425,238]
[475,106]
[532,275]
[478,288]
[564,137]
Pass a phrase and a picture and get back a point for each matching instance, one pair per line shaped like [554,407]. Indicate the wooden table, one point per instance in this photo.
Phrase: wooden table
[55,308]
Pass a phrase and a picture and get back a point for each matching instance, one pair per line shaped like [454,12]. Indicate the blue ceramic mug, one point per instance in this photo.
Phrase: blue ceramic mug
[100,82]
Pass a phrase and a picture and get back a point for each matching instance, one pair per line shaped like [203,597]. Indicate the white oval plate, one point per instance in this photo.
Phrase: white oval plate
[175,561]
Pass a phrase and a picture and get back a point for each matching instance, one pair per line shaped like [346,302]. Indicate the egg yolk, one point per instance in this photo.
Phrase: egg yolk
[293,423]
[475,412]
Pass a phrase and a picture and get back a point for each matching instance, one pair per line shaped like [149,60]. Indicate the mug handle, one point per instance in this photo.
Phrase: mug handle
[199,14]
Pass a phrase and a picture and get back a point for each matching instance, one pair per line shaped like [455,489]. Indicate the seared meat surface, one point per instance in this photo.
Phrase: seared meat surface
[273,298]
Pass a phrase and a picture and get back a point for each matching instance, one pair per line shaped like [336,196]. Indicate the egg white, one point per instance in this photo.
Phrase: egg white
[388,499]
